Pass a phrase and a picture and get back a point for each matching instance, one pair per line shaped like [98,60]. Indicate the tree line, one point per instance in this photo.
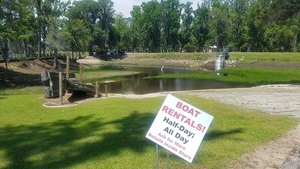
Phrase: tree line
[38,27]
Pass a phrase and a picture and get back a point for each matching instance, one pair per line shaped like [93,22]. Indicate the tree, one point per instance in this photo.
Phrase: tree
[256,26]
[170,23]
[6,27]
[284,9]
[75,36]
[106,21]
[220,23]
[200,27]
[122,26]
[98,17]
[87,11]
[185,29]
[27,26]
[288,10]
[16,27]
[41,8]
[152,24]
[295,28]
[237,16]
[138,32]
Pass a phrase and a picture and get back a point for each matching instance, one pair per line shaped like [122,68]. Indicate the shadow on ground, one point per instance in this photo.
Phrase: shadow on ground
[64,143]
[10,78]
[215,134]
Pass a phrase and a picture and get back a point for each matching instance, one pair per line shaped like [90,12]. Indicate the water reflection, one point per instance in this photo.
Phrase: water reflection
[144,86]
[138,84]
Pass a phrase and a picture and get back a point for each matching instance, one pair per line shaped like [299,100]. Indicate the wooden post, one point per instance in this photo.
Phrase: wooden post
[97,90]
[106,90]
[60,88]
[80,72]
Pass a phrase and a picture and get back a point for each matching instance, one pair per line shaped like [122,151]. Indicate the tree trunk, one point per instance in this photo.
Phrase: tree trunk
[79,55]
[296,42]
[39,43]
[25,50]
[44,41]
[72,55]
[5,52]
[55,58]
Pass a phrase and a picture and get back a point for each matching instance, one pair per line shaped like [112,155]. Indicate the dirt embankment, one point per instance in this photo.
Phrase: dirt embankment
[27,72]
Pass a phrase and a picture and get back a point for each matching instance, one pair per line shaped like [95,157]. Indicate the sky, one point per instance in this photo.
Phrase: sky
[125,6]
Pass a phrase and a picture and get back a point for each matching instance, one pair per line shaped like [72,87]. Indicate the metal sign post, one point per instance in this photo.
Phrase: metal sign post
[179,128]
[168,159]
[157,158]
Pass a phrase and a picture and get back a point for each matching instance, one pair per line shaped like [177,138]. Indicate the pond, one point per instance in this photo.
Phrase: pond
[139,84]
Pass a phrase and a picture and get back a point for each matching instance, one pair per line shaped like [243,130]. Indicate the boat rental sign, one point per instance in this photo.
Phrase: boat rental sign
[179,127]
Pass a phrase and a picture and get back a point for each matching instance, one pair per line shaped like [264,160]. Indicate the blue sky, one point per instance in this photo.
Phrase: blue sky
[125,6]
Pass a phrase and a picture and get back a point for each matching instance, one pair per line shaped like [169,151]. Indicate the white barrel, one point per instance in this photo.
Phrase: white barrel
[219,62]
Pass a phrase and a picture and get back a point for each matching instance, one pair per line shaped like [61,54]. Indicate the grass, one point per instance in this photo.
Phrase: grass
[253,69]
[244,76]
[261,76]
[247,56]
[266,56]
[110,133]
[21,90]
[172,56]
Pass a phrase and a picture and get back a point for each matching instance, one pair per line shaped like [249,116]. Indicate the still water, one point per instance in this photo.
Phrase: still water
[139,84]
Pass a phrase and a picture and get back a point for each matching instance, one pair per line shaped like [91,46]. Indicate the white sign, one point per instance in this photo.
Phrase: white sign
[179,127]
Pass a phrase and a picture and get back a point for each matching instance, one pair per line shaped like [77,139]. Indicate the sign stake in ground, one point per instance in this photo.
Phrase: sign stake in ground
[157,158]
[179,127]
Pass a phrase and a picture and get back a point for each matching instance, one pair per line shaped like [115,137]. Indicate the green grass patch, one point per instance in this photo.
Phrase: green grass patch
[247,56]
[110,133]
[21,90]
[244,76]
[260,76]
[193,75]
[173,56]
[266,56]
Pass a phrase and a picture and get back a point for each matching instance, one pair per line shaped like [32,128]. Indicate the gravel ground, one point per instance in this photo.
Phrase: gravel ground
[273,99]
